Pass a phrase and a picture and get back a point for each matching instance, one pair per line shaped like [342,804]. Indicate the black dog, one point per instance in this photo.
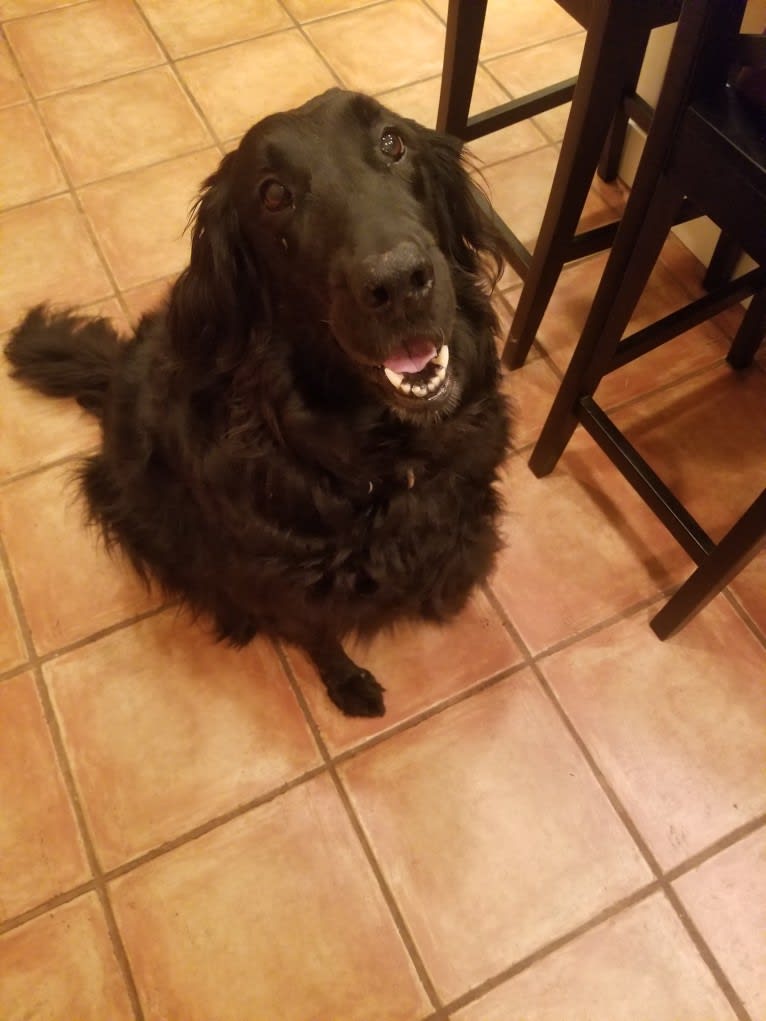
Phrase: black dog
[304,441]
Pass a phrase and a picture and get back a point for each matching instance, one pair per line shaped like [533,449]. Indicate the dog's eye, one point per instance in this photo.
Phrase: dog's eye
[391,145]
[275,196]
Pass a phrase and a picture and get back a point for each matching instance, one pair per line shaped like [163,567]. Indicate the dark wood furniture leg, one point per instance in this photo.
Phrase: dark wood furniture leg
[465,24]
[732,553]
[614,49]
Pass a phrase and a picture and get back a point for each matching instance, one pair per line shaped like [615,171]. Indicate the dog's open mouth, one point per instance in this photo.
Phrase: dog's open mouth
[418,370]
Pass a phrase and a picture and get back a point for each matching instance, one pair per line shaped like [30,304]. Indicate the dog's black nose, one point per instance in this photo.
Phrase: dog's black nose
[400,279]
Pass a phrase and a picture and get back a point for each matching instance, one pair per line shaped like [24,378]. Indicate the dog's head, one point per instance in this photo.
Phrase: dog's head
[342,215]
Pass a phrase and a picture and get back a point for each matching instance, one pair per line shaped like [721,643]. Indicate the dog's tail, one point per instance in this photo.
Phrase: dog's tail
[65,355]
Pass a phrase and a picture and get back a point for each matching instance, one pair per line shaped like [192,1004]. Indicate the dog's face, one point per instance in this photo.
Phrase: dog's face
[361,220]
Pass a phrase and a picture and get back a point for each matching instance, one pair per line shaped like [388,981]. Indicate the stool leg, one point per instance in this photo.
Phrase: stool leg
[635,251]
[750,334]
[615,39]
[733,552]
[722,264]
[465,24]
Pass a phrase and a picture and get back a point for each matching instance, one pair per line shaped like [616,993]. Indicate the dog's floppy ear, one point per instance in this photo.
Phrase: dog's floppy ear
[463,212]
[216,299]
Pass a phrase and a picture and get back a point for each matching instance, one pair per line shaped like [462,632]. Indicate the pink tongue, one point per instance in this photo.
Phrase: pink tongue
[412,359]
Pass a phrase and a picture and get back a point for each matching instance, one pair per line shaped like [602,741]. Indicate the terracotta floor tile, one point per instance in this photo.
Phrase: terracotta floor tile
[490,795]
[12,649]
[382,47]
[567,312]
[440,6]
[52,555]
[519,190]
[36,430]
[538,67]
[531,390]
[20,8]
[706,438]
[187,26]
[678,727]
[521,25]
[503,305]
[28,168]
[312,939]
[166,730]
[110,309]
[421,103]
[419,666]
[695,349]
[53,259]
[306,10]
[119,125]
[40,850]
[750,589]
[238,85]
[62,965]
[726,898]
[581,547]
[11,85]
[147,297]
[81,44]
[140,218]
[639,964]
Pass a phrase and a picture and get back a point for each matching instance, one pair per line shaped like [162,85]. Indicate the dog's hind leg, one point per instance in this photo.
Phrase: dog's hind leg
[352,688]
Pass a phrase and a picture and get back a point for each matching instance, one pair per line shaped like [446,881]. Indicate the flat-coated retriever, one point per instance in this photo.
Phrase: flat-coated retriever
[304,440]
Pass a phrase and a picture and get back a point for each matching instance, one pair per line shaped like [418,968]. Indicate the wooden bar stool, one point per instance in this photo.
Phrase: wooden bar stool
[603,99]
[704,145]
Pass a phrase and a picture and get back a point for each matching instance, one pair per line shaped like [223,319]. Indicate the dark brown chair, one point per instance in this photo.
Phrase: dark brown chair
[707,146]
[603,99]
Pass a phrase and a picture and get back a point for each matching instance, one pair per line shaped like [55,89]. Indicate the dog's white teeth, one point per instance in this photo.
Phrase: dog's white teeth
[421,388]
[442,358]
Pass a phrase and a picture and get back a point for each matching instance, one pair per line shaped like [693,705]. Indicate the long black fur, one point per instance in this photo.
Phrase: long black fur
[255,459]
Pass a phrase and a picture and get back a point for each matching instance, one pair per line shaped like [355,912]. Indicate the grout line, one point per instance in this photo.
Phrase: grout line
[393,907]
[662,879]
[706,954]
[550,140]
[337,14]
[651,888]
[82,216]
[716,848]
[210,825]
[30,914]
[300,27]
[411,722]
[37,14]
[179,78]
[624,904]
[99,884]
[744,614]
[18,608]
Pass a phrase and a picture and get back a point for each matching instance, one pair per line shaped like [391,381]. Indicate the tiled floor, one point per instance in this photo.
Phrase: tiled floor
[560,818]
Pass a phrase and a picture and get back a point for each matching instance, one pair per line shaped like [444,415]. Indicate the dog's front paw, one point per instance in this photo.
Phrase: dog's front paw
[357,693]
